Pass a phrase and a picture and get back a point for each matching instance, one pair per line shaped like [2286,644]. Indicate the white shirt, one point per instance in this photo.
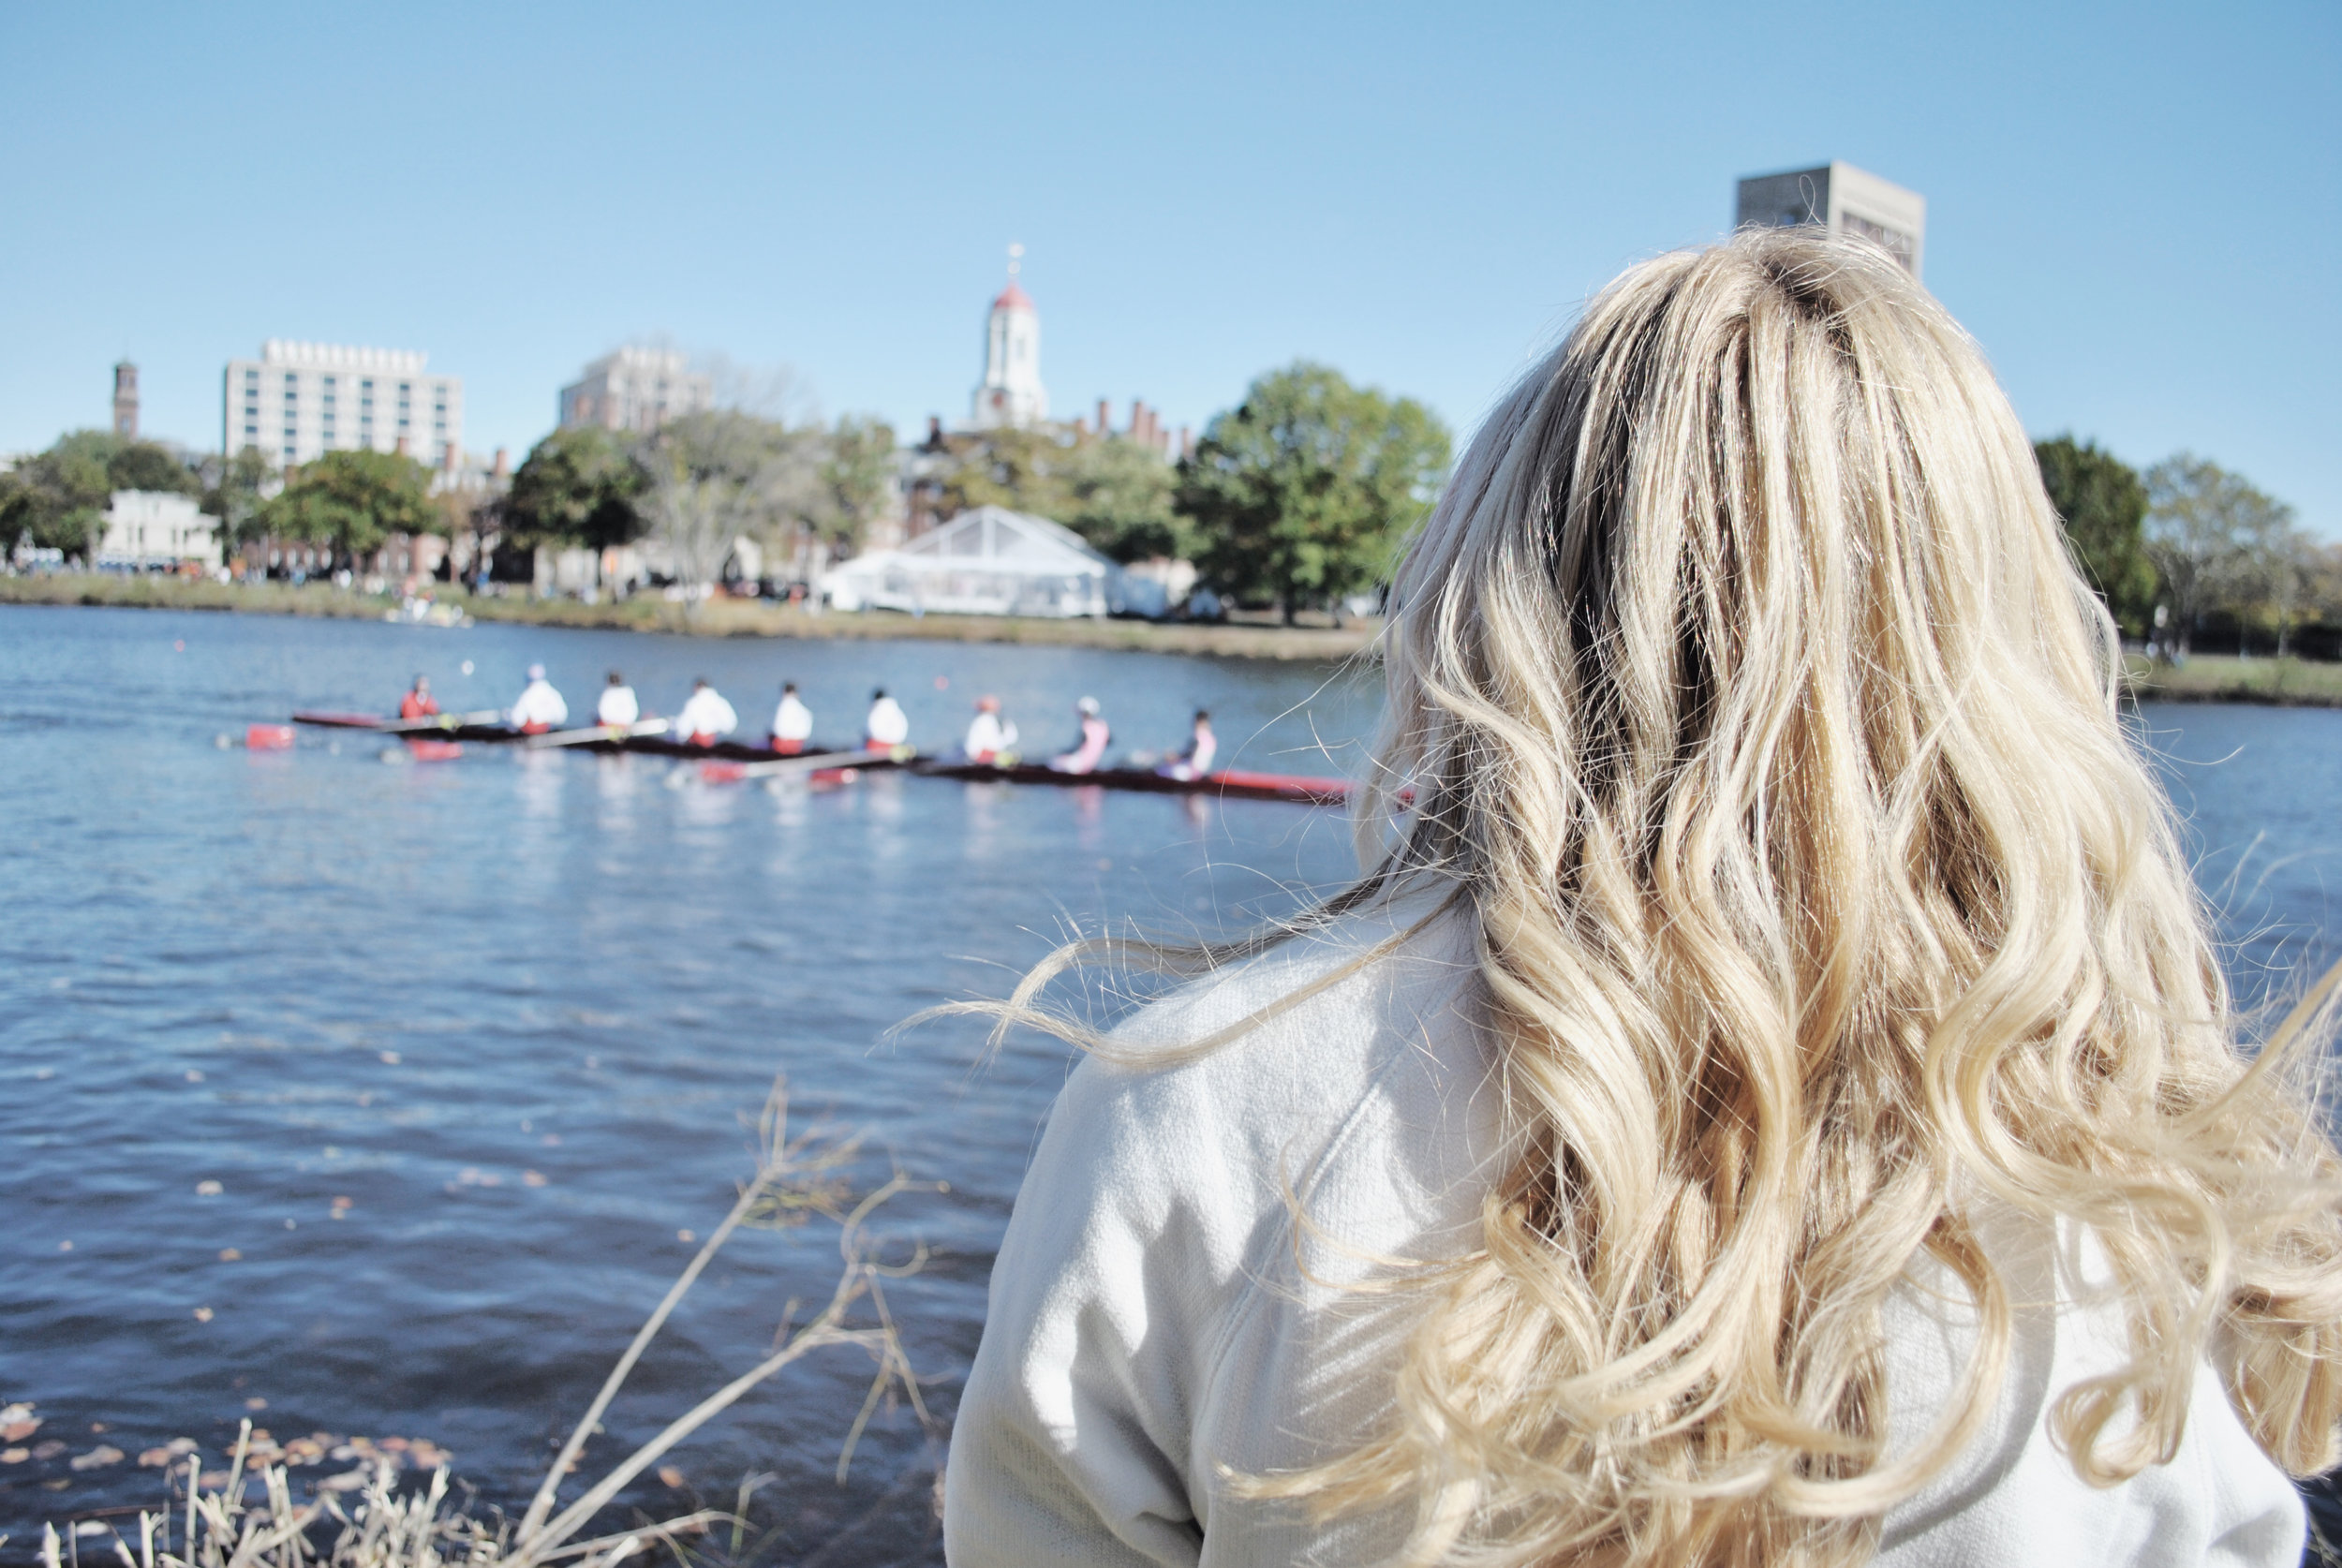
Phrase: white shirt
[989,734]
[618,706]
[540,704]
[1151,1328]
[706,714]
[793,720]
[887,724]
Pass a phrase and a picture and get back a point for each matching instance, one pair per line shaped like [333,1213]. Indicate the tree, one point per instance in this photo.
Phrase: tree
[59,497]
[857,480]
[714,478]
[350,501]
[577,486]
[1305,490]
[2103,507]
[233,488]
[2211,536]
[1118,494]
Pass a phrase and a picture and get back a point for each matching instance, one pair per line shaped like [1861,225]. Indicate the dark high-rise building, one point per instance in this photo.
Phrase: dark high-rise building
[1844,200]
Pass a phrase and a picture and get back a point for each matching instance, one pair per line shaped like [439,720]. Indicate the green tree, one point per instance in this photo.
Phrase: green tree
[577,486]
[2212,538]
[2103,506]
[59,497]
[351,501]
[1019,470]
[1304,492]
[856,473]
[1122,497]
[716,478]
[232,489]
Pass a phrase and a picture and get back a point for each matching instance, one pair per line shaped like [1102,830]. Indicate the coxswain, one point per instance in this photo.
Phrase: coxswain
[1195,760]
[886,726]
[419,703]
[1086,756]
[618,707]
[706,717]
[792,721]
[539,707]
[990,737]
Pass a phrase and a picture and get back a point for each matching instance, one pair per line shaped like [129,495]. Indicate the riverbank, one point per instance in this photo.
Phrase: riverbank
[2285,683]
[721,617]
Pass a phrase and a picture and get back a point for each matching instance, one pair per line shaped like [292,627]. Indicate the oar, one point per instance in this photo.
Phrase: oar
[440,721]
[602,733]
[779,767]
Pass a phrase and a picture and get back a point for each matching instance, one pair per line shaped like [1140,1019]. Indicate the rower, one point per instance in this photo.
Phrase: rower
[705,717]
[990,737]
[1195,760]
[886,726]
[539,707]
[618,707]
[1086,756]
[792,721]
[419,703]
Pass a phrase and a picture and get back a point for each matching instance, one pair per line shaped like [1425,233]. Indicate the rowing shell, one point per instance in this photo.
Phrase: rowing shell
[649,737]
[1231,784]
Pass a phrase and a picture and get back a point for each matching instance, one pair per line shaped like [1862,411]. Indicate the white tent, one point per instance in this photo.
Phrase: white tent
[992,561]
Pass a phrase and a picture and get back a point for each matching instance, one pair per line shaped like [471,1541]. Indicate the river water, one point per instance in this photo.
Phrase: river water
[378,1100]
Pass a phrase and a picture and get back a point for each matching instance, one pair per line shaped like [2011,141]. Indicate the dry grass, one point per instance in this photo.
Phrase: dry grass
[361,1519]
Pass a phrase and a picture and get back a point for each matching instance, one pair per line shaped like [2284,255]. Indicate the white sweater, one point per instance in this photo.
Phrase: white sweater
[1150,1330]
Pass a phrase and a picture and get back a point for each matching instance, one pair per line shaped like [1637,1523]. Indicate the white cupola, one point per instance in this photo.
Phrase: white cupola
[1011,393]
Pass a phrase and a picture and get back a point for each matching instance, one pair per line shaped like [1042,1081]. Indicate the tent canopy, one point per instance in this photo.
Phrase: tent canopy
[991,561]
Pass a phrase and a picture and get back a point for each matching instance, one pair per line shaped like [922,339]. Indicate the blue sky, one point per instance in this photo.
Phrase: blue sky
[2136,209]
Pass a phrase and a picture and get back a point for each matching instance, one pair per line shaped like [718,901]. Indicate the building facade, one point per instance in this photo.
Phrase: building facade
[1844,200]
[146,528]
[1011,394]
[299,401]
[636,389]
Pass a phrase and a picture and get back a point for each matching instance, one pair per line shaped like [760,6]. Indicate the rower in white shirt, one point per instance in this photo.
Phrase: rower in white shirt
[539,707]
[887,725]
[618,707]
[706,717]
[793,722]
[989,735]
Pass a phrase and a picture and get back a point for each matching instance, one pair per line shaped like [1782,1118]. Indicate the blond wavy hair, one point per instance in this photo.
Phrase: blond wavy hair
[1741,686]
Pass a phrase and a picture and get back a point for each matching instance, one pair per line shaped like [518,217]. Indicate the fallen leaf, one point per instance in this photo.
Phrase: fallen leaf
[20,1410]
[65,1247]
[208,1188]
[256,1402]
[230,1254]
[48,1450]
[211,1480]
[532,1179]
[181,1445]
[14,1456]
[88,1527]
[153,1459]
[687,1235]
[18,1431]
[347,1481]
[390,1058]
[672,1477]
[202,1314]
[60,1483]
[98,1458]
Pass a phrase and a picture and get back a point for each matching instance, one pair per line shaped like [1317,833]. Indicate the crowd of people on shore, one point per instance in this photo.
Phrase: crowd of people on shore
[706,717]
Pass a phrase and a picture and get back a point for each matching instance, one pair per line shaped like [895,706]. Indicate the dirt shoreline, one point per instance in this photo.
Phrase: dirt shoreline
[717,618]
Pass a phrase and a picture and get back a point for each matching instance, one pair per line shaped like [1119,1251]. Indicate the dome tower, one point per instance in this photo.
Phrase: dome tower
[1011,393]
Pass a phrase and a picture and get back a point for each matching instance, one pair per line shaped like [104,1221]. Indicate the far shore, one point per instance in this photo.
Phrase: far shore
[2204,678]
[1321,643]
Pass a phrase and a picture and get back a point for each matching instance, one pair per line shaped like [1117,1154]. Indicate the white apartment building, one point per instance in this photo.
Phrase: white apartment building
[636,389]
[299,401]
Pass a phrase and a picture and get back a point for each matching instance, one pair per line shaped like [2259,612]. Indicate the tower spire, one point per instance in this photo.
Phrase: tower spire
[1016,259]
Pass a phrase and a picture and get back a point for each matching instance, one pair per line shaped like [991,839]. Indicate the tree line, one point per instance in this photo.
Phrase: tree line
[2188,549]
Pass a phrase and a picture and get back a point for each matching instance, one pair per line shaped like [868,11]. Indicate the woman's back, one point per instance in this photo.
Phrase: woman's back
[1178,1299]
[1819,936]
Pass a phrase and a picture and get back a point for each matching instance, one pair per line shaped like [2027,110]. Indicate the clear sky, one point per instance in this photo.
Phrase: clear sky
[2136,208]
